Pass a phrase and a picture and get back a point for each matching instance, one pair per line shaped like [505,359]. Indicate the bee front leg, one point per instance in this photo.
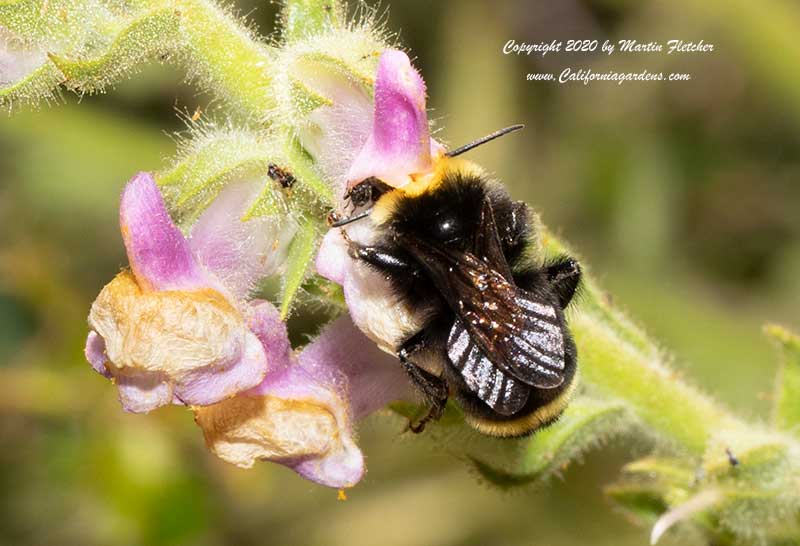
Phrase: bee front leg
[382,259]
[433,388]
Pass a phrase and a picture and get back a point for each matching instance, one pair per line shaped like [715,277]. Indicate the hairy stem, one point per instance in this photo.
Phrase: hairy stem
[226,58]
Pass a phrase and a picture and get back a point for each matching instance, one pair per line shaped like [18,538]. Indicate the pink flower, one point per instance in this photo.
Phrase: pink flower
[179,328]
[302,415]
[356,137]
[399,145]
[17,59]
[397,150]
[170,330]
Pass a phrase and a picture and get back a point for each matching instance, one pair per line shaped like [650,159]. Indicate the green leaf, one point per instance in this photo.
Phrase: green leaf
[585,424]
[143,38]
[88,45]
[301,254]
[786,409]
[303,18]
[39,85]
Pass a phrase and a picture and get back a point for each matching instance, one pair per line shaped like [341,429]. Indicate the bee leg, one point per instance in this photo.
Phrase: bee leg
[368,190]
[381,258]
[433,388]
[564,276]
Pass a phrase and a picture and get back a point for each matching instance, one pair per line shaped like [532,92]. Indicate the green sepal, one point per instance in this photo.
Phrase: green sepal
[786,409]
[304,100]
[325,292]
[303,18]
[301,255]
[673,472]
[301,165]
[642,502]
[214,160]
[361,75]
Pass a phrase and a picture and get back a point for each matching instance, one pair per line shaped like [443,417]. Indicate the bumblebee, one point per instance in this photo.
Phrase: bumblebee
[469,314]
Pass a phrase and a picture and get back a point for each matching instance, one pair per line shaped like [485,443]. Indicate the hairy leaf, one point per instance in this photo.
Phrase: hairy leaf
[146,37]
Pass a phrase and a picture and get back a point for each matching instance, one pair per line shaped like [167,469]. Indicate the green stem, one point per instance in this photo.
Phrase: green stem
[225,57]
[667,405]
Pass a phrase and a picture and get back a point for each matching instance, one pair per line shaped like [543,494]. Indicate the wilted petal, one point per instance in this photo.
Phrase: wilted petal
[193,344]
[209,383]
[399,144]
[16,59]
[302,417]
[239,253]
[159,254]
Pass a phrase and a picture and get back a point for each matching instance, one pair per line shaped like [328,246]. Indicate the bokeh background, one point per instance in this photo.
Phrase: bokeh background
[683,197]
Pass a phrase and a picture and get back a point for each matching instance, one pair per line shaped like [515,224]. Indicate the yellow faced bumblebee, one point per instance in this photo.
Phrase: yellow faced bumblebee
[469,315]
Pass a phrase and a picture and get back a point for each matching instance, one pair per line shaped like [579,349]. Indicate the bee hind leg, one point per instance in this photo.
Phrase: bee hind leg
[564,276]
[433,388]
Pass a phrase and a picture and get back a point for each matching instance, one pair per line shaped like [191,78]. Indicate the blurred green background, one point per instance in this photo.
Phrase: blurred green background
[683,197]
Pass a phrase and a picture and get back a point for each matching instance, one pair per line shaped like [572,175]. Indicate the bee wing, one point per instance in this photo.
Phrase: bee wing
[487,245]
[516,330]
[501,392]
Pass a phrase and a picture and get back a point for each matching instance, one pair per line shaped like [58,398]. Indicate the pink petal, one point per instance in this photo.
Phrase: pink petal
[332,260]
[399,144]
[95,353]
[143,393]
[335,134]
[373,377]
[209,385]
[265,322]
[159,254]
[239,253]
[17,60]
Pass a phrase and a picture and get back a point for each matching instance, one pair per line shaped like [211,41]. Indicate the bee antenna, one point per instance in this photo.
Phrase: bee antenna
[484,140]
[350,220]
